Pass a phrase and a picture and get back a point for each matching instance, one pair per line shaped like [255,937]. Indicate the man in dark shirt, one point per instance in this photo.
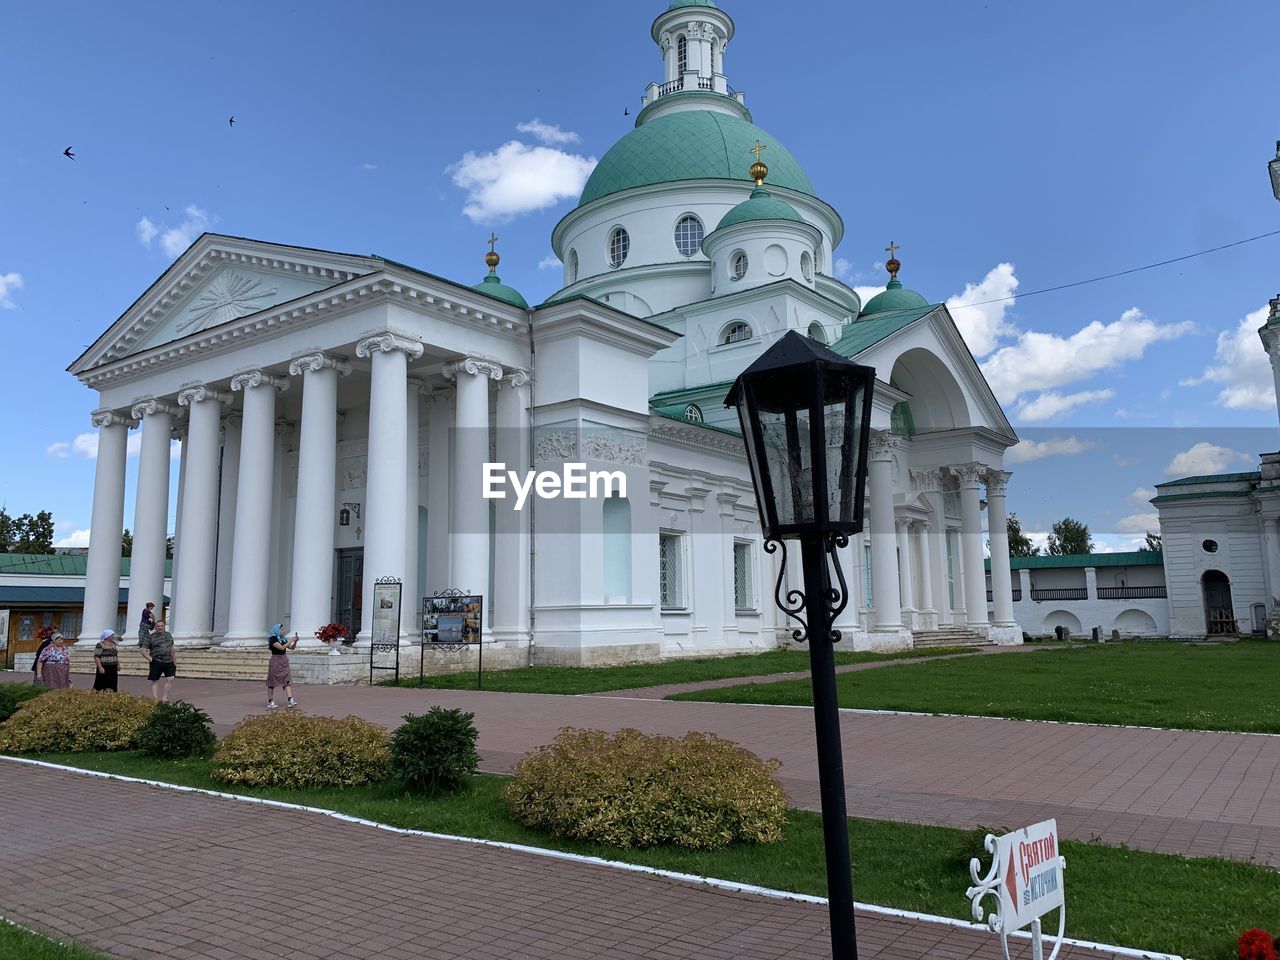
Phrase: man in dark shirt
[157,649]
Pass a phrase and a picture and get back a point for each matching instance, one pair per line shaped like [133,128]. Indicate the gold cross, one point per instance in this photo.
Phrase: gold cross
[758,149]
[892,248]
[493,239]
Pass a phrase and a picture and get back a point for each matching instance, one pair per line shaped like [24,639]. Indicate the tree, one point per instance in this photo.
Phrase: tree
[126,543]
[1154,544]
[6,531]
[27,534]
[1069,537]
[1020,544]
[168,549]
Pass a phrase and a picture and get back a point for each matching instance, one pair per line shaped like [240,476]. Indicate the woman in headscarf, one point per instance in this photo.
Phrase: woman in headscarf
[278,673]
[106,662]
[53,665]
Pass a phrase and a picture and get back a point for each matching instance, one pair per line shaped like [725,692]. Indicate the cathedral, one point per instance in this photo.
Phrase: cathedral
[336,414]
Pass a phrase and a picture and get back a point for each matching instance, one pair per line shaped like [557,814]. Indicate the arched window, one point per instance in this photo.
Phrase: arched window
[819,258]
[736,332]
[619,247]
[688,235]
[817,333]
[617,550]
[682,55]
[738,265]
[712,45]
[693,413]
[573,266]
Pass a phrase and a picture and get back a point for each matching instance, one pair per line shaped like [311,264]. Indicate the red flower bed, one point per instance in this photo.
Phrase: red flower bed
[1256,945]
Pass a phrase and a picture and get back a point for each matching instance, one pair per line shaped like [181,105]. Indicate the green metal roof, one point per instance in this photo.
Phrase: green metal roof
[704,426]
[58,564]
[1134,558]
[491,286]
[690,145]
[1214,478]
[686,395]
[50,596]
[864,333]
[761,205]
[893,297]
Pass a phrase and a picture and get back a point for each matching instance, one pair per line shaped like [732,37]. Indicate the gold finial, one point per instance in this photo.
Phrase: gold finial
[491,258]
[758,169]
[892,265]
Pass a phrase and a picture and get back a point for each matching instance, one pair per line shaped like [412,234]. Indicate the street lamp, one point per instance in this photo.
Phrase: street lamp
[1274,167]
[805,413]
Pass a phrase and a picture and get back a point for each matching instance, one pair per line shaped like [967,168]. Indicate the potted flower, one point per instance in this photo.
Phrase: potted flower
[333,635]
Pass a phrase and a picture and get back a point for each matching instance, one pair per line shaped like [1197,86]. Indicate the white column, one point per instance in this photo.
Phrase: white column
[512,527]
[411,608]
[971,476]
[906,586]
[194,616]
[230,477]
[955,540]
[1270,334]
[150,511]
[440,417]
[470,541]
[934,550]
[251,543]
[998,531]
[925,553]
[102,571]
[180,433]
[311,603]
[385,493]
[884,553]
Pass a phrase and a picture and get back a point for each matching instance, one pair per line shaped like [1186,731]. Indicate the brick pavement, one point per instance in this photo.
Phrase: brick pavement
[124,871]
[1193,793]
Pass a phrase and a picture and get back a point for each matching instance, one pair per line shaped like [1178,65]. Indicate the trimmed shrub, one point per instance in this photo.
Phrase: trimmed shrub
[12,694]
[175,730]
[290,749]
[632,790]
[435,752]
[75,721]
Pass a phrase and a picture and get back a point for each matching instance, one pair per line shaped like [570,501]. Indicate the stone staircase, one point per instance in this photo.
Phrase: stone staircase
[224,664]
[947,637]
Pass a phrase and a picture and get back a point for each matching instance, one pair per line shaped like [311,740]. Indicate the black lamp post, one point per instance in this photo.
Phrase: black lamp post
[806,418]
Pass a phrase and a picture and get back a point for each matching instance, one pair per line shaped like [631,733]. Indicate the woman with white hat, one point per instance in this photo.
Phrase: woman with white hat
[106,661]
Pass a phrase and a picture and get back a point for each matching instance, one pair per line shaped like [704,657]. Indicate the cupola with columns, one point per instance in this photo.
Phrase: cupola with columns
[692,36]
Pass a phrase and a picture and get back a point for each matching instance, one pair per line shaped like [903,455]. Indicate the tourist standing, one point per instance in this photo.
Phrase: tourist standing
[278,672]
[157,650]
[53,665]
[35,663]
[106,659]
[148,622]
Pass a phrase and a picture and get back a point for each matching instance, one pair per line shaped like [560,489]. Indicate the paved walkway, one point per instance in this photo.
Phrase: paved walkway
[1197,794]
[123,870]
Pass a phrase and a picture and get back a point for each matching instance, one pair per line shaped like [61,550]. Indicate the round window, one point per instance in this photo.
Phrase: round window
[1210,546]
[806,265]
[619,247]
[688,235]
[738,265]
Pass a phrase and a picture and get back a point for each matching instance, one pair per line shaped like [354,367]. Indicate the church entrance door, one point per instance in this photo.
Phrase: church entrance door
[350,577]
[1220,616]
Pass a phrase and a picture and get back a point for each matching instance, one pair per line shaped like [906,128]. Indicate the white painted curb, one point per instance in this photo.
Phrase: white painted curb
[731,885]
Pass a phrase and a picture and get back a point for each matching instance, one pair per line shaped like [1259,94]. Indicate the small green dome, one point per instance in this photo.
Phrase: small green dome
[760,206]
[691,145]
[677,4]
[491,286]
[894,297]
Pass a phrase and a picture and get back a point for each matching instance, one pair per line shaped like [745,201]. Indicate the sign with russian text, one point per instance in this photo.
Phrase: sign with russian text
[1030,874]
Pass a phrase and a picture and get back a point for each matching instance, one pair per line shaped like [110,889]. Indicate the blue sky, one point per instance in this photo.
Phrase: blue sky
[1005,146]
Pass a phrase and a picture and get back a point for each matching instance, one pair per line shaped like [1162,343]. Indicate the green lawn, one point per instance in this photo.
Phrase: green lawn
[1228,687]
[576,680]
[1201,908]
[19,944]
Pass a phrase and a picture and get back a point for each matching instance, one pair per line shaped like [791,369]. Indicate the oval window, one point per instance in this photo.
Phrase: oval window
[806,265]
[619,247]
[738,265]
[688,235]
[1210,546]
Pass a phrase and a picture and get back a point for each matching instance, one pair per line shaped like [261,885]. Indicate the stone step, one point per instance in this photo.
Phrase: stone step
[947,637]
[206,664]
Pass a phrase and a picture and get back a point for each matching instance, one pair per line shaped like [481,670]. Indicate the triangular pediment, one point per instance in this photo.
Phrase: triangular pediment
[219,280]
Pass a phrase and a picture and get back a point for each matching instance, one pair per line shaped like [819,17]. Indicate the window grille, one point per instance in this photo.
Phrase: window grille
[742,593]
[738,266]
[671,571]
[689,235]
[619,246]
[736,332]
[693,413]
[682,54]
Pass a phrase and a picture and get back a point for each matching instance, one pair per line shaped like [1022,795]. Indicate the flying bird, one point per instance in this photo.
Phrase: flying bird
[626,111]
[68,154]
[232,122]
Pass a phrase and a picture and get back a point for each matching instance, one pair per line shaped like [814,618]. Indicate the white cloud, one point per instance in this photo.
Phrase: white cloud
[1052,404]
[368,166]
[549,262]
[1024,451]
[1141,495]
[1042,361]
[59,451]
[548,133]
[982,323]
[77,538]
[518,178]
[174,240]
[86,445]
[1205,458]
[62,526]
[9,281]
[1138,523]
[1241,367]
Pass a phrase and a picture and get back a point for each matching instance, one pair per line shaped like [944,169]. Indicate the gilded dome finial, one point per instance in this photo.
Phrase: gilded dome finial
[758,169]
[893,265]
[491,258]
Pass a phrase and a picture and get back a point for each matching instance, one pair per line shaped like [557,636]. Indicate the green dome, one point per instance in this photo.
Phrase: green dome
[691,145]
[760,206]
[894,297]
[491,286]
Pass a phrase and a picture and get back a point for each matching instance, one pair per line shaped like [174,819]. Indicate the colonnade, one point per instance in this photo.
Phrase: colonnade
[228,507]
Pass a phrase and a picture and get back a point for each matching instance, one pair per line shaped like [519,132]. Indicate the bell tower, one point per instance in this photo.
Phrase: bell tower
[692,36]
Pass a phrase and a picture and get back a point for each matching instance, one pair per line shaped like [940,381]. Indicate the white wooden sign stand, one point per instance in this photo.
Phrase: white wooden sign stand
[1026,878]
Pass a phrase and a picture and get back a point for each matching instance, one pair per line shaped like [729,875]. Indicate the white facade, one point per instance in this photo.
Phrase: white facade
[308,386]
